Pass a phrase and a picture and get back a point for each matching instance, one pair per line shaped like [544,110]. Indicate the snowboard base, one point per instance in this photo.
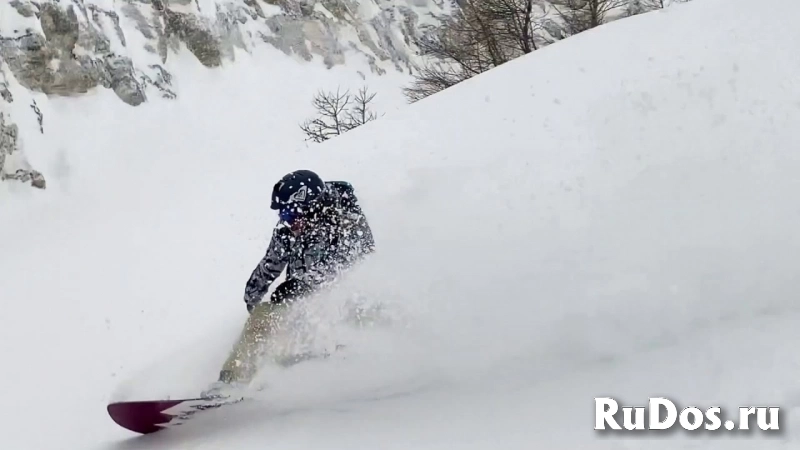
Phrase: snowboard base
[150,416]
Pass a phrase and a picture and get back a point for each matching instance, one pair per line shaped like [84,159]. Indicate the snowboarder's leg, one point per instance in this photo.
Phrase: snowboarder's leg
[242,362]
[240,367]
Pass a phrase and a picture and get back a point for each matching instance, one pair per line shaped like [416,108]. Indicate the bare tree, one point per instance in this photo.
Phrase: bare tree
[581,15]
[338,113]
[483,34]
[642,6]
[360,113]
[480,35]
[431,79]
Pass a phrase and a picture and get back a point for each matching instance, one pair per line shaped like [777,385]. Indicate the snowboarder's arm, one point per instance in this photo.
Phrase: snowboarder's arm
[267,270]
[363,231]
[360,228]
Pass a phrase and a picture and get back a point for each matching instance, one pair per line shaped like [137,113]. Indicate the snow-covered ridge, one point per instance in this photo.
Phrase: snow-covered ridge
[70,47]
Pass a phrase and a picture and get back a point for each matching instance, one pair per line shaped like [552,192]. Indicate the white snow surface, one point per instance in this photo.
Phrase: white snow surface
[613,215]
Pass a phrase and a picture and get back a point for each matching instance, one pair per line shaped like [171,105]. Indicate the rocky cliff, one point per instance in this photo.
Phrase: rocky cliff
[70,47]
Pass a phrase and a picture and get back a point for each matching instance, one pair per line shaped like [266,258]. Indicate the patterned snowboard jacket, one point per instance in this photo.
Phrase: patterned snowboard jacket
[340,238]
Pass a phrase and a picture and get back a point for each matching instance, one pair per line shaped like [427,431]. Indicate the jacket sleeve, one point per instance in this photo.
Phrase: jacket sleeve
[360,229]
[363,231]
[268,269]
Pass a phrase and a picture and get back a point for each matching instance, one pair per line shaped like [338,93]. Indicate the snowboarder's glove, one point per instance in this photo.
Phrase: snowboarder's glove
[251,302]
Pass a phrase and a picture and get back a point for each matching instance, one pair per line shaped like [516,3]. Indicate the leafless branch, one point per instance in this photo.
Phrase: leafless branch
[338,113]
[480,35]
[361,114]
[582,15]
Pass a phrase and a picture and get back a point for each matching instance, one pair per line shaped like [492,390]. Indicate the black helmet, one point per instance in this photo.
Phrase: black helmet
[297,193]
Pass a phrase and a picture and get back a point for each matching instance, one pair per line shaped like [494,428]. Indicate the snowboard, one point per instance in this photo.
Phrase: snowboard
[150,416]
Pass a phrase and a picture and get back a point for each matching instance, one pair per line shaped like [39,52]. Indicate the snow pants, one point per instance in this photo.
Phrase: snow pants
[264,320]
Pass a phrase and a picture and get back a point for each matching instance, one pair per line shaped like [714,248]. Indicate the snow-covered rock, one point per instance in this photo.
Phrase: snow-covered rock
[71,47]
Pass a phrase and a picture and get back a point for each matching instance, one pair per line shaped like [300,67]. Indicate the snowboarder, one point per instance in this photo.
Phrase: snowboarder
[321,232]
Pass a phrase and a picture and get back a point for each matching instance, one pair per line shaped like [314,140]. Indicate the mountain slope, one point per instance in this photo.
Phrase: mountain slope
[614,215]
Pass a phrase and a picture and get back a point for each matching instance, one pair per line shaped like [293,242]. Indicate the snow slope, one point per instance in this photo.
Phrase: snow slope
[614,215]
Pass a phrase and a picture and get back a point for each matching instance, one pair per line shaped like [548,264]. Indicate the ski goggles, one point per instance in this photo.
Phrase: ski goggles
[289,215]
